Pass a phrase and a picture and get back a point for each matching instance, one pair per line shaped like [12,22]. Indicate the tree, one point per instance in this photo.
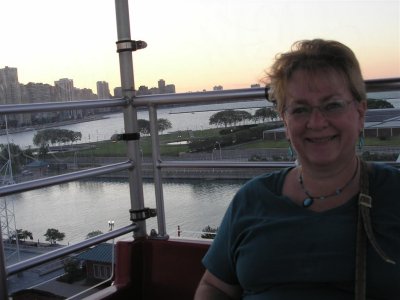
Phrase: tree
[43,138]
[53,235]
[144,126]
[93,234]
[222,118]
[265,113]
[163,124]
[72,270]
[240,116]
[378,104]
[24,234]
[228,117]
[16,156]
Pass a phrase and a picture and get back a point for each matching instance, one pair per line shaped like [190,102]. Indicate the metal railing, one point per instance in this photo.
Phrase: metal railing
[129,102]
[152,102]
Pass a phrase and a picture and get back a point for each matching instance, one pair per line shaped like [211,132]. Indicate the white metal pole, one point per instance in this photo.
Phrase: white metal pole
[130,112]
[3,273]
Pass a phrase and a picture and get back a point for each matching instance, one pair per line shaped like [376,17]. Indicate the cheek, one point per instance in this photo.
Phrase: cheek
[291,131]
[287,126]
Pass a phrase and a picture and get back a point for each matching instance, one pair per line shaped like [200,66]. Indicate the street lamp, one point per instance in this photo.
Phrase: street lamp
[110,225]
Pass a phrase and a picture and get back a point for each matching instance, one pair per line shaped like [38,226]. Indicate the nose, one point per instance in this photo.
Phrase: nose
[317,119]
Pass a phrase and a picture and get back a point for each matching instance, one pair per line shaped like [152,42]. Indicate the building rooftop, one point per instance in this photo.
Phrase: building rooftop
[382,118]
[100,253]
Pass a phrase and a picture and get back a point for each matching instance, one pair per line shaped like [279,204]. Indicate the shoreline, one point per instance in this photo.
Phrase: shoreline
[52,125]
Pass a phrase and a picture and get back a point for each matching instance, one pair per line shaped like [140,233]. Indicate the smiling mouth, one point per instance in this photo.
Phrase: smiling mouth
[321,140]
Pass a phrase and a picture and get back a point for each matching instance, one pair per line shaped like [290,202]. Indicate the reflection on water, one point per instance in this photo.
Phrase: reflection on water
[78,208]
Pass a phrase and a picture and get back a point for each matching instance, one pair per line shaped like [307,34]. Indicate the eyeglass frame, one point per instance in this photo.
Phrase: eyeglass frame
[305,116]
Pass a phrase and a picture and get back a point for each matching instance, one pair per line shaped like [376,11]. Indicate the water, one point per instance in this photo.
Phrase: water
[181,118]
[78,208]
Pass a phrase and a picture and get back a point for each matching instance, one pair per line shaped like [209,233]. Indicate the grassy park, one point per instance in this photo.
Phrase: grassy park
[169,144]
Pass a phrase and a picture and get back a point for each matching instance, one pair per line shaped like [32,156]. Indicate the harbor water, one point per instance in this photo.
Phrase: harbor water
[77,208]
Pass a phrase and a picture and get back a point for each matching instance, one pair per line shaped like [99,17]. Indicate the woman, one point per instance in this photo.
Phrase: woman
[292,234]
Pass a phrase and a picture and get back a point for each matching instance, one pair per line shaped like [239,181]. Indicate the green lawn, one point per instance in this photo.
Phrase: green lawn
[108,148]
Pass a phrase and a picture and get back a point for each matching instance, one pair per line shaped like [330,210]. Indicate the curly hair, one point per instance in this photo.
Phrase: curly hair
[312,56]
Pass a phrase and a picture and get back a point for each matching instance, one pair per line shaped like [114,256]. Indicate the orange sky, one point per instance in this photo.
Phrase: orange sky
[194,44]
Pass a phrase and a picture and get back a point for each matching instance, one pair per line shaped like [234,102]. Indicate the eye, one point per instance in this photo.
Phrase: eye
[299,110]
[333,106]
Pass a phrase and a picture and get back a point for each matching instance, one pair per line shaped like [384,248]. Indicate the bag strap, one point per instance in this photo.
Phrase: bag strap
[364,231]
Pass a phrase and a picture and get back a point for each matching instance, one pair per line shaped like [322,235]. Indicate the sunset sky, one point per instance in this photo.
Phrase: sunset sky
[194,44]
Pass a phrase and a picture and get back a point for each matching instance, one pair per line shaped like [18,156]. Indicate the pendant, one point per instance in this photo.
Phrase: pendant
[308,202]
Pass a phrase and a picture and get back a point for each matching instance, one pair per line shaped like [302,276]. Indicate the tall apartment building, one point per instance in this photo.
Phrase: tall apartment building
[118,92]
[38,93]
[64,89]
[165,89]
[103,92]
[170,89]
[161,86]
[10,91]
[64,92]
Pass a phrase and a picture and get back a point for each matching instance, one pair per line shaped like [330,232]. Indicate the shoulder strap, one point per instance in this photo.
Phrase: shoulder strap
[364,231]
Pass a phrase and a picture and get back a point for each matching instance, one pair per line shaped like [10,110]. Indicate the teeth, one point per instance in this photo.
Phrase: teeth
[321,140]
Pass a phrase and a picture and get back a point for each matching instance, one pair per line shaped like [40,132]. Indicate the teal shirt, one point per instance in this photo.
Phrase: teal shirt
[275,249]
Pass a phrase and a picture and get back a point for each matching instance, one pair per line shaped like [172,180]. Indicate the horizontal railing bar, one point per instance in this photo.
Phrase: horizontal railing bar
[372,85]
[46,257]
[55,106]
[201,97]
[383,85]
[223,164]
[53,180]
[238,164]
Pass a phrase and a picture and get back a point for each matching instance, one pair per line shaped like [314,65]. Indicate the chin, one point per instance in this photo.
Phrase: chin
[319,161]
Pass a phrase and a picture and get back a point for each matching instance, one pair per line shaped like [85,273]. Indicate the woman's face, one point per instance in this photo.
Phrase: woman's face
[328,135]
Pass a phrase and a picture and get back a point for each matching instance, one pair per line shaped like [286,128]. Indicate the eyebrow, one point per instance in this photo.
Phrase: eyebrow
[323,100]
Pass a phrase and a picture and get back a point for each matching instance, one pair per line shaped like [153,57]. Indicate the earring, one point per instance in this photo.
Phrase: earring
[361,141]
[291,152]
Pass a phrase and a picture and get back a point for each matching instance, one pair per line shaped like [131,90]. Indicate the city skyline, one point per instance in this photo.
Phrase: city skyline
[195,44]
[102,87]
[9,76]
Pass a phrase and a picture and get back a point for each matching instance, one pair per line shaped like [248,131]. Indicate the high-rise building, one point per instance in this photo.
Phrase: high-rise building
[38,93]
[64,89]
[161,86]
[10,91]
[170,89]
[118,92]
[103,90]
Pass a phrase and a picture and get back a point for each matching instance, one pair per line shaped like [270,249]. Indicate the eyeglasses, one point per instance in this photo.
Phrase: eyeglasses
[330,109]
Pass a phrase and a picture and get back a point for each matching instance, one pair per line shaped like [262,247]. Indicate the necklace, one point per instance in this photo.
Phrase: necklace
[307,202]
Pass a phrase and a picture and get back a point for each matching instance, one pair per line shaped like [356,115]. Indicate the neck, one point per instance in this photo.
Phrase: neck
[324,188]
[335,174]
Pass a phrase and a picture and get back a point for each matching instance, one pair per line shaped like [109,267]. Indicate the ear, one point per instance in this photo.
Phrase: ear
[362,110]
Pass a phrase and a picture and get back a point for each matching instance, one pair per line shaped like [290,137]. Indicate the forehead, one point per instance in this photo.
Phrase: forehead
[317,85]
